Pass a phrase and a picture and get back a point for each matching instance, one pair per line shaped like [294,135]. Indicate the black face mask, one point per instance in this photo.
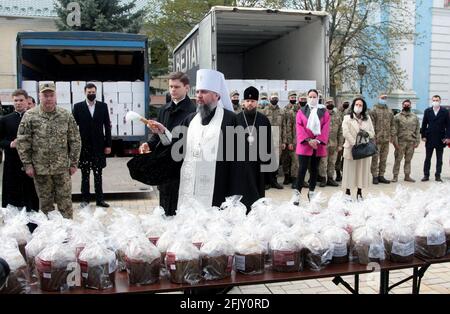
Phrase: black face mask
[407,109]
[91,97]
[345,106]
[235,102]
[330,107]
[274,102]
[292,101]
[302,103]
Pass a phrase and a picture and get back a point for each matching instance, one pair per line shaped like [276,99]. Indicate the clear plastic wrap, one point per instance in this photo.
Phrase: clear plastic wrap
[16,228]
[154,226]
[250,254]
[98,267]
[317,251]
[143,261]
[217,258]
[183,262]
[286,251]
[446,225]
[430,240]
[367,246]
[399,242]
[340,239]
[233,210]
[17,281]
[54,264]
[261,209]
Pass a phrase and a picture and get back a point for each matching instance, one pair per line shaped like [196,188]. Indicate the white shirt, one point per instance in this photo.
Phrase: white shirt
[436,111]
[91,107]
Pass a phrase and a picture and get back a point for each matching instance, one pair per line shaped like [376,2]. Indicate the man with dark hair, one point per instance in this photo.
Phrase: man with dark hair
[436,134]
[93,121]
[171,115]
[17,189]
[31,102]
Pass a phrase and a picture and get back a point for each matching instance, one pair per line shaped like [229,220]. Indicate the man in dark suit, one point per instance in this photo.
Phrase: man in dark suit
[17,189]
[435,133]
[171,115]
[93,120]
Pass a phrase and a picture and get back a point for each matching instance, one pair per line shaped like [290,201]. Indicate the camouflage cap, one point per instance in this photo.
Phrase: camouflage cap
[234,92]
[302,95]
[263,95]
[292,93]
[330,100]
[47,86]
[274,94]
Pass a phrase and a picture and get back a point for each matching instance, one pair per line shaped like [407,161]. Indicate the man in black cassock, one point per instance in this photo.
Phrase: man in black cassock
[17,188]
[173,114]
[253,147]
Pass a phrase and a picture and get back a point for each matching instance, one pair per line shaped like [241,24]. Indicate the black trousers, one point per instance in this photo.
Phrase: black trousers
[85,173]
[168,197]
[427,163]
[303,162]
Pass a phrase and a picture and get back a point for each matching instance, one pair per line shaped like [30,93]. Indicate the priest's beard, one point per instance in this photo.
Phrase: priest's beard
[206,109]
[250,112]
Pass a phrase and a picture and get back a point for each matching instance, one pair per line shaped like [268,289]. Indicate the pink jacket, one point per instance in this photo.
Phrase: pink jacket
[303,133]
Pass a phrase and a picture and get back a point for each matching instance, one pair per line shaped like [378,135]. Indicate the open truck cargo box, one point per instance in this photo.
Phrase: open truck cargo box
[85,56]
[250,43]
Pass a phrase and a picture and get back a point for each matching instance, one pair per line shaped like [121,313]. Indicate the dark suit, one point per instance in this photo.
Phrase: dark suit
[95,133]
[17,188]
[171,115]
[435,128]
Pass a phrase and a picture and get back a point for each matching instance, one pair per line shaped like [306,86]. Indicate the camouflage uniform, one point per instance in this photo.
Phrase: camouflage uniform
[383,124]
[275,115]
[289,158]
[339,159]
[335,140]
[407,137]
[50,142]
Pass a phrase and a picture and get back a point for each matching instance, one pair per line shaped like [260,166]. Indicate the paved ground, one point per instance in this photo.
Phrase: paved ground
[436,280]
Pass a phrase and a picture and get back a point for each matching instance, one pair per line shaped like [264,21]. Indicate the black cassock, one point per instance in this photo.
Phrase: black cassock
[17,188]
[248,179]
[223,180]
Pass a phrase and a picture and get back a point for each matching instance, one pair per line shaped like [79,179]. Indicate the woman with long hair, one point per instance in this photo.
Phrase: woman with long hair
[356,173]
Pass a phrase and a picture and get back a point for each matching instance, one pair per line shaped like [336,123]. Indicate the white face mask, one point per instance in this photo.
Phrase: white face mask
[312,101]
[358,110]
[435,103]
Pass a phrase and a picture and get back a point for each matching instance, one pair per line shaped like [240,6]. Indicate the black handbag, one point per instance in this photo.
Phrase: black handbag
[364,146]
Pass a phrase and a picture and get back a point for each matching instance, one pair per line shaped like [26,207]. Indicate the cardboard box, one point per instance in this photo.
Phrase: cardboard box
[63,97]
[122,109]
[138,128]
[124,87]
[138,87]
[111,98]
[139,107]
[78,97]
[30,86]
[125,98]
[110,87]
[113,120]
[78,86]
[124,128]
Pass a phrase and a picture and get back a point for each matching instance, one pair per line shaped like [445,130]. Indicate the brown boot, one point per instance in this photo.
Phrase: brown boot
[395,178]
[409,179]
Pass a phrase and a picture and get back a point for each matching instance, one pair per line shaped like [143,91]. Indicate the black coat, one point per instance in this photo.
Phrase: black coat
[17,188]
[95,133]
[248,179]
[435,128]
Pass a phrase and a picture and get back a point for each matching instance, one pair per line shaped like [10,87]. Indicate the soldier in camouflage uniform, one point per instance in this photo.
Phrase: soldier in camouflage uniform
[342,111]
[234,95]
[275,115]
[383,124]
[289,159]
[406,139]
[263,102]
[48,143]
[335,143]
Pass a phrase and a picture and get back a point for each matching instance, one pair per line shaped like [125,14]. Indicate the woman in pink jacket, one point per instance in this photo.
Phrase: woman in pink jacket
[313,128]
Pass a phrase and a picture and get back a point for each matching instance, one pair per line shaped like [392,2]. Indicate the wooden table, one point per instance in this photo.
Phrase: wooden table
[427,263]
[387,266]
